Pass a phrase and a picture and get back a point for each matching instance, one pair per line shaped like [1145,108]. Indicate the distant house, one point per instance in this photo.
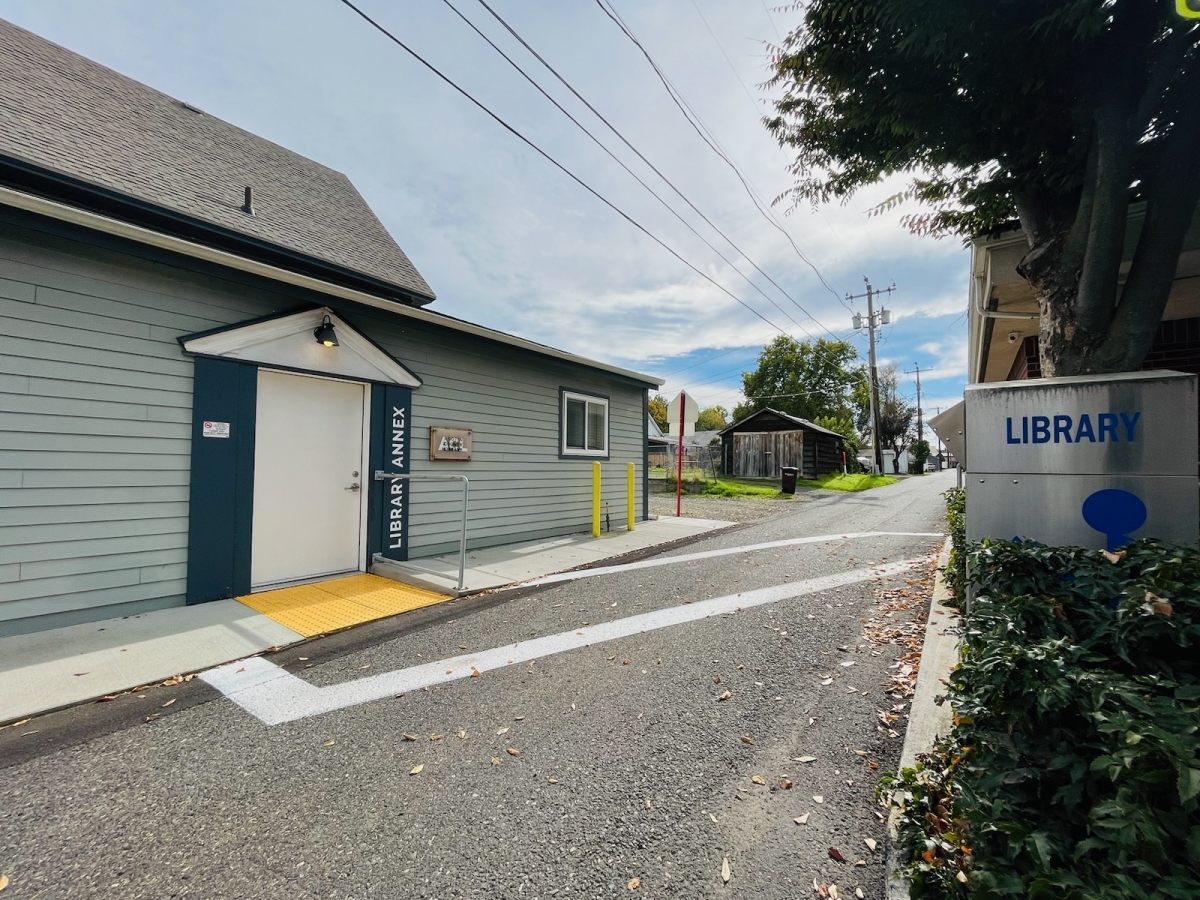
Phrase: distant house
[211,344]
[762,443]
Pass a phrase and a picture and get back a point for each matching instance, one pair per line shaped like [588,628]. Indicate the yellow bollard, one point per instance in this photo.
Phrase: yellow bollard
[629,493]
[595,499]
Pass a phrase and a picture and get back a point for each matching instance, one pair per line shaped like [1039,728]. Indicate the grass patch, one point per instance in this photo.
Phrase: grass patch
[850,482]
[738,488]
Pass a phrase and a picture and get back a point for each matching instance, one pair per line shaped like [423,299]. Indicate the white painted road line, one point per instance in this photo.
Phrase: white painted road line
[274,695]
[726,551]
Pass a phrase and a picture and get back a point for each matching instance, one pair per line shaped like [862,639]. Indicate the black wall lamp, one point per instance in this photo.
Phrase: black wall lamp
[324,333]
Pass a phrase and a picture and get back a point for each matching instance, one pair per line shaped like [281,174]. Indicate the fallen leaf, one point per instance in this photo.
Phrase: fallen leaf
[859,894]
[500,731]
[15,724]
[822,889]
[714,818]
[449,671]
[747,740]
[716,679]
[168,703]
[785,784]
[436,737]
[860,862]
[611,658]
[108,697]
[242,669]
[462,646]
[462,735]
[758,779]
[801,820]
[410,737]
[860,752]
[836,855]
[552,780]
[495,760]
[725,696]
[1113,557]
[870,842]
[725,870]
[328,744]
[3,882]
[474,672]
[827,681]
[512,751]
[805,759]
[646,803]
[833,892]
[151,718]
[79,674]
[634,884]
[962,877]
[817,798]
[624,662]
[519,718]
[416,770]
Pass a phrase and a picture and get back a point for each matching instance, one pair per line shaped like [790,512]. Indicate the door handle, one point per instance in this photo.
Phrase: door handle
[353,487]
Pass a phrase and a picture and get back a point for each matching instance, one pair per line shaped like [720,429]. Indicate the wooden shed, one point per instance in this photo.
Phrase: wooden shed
[762,443]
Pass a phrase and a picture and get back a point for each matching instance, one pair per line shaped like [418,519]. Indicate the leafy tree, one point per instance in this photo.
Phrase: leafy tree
[918,453]
[843,426]
[895,415]
[658,411]
[1056,113]
[806,379]
[714,418]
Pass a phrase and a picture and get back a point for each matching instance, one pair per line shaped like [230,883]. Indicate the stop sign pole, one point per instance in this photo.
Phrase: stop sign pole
[679,458]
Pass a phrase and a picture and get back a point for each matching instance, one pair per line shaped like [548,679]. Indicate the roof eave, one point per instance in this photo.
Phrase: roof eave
[105,224]
[55,186]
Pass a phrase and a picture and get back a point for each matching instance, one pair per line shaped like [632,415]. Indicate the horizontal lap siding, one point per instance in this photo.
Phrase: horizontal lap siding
[95,426]
[520,488]
[95,417]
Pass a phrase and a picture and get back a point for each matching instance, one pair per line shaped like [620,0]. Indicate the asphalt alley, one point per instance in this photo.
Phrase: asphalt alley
[566,773]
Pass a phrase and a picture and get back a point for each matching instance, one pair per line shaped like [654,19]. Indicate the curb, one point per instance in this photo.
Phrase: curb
[926,720]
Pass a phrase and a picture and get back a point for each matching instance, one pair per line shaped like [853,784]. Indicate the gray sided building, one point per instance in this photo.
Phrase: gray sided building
[179,424]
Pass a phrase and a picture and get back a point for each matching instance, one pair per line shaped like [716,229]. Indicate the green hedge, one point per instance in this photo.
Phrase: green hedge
[1073,769]
[955,572]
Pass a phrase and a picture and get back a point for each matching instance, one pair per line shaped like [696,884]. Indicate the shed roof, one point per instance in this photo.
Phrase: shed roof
[803,423]
[66,114]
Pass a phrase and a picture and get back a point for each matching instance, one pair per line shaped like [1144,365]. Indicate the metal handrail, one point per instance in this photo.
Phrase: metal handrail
[462,538]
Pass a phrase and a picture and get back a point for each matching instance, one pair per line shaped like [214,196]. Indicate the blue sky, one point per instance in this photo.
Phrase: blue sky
[507,240]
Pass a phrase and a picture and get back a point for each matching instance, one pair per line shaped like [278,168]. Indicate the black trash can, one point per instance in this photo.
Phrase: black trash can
[789,479]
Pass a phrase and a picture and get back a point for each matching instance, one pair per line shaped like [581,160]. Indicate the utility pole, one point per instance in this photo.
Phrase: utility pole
[873,322]
[920,426]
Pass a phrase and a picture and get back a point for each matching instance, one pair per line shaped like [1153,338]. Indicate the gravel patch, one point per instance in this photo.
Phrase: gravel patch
[726,509]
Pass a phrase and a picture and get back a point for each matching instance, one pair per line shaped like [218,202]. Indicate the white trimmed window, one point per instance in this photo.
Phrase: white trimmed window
[584,425]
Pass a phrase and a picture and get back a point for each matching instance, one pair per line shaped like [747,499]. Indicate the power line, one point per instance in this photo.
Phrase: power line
[706,135]
[614,157]
[509,128]
[643,158]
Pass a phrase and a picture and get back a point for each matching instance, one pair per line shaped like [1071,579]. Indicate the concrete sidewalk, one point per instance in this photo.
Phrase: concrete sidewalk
[927,721]
[53,669]
[512,563]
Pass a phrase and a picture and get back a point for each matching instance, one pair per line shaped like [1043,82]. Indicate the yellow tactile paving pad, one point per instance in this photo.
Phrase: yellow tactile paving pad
[326,606]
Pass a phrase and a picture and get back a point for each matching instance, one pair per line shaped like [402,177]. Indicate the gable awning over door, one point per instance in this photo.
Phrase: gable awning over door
[287,342]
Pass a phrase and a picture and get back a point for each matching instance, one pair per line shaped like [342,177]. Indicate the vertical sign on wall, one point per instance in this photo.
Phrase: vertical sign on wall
[391,446]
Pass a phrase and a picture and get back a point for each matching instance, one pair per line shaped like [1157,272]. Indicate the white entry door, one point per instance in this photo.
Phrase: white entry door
[309,490]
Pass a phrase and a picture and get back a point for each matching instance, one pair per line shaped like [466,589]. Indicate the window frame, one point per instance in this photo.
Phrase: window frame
[565,452]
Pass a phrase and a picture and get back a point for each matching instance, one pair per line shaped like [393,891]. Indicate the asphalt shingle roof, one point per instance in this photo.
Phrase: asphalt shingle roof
[62,112]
